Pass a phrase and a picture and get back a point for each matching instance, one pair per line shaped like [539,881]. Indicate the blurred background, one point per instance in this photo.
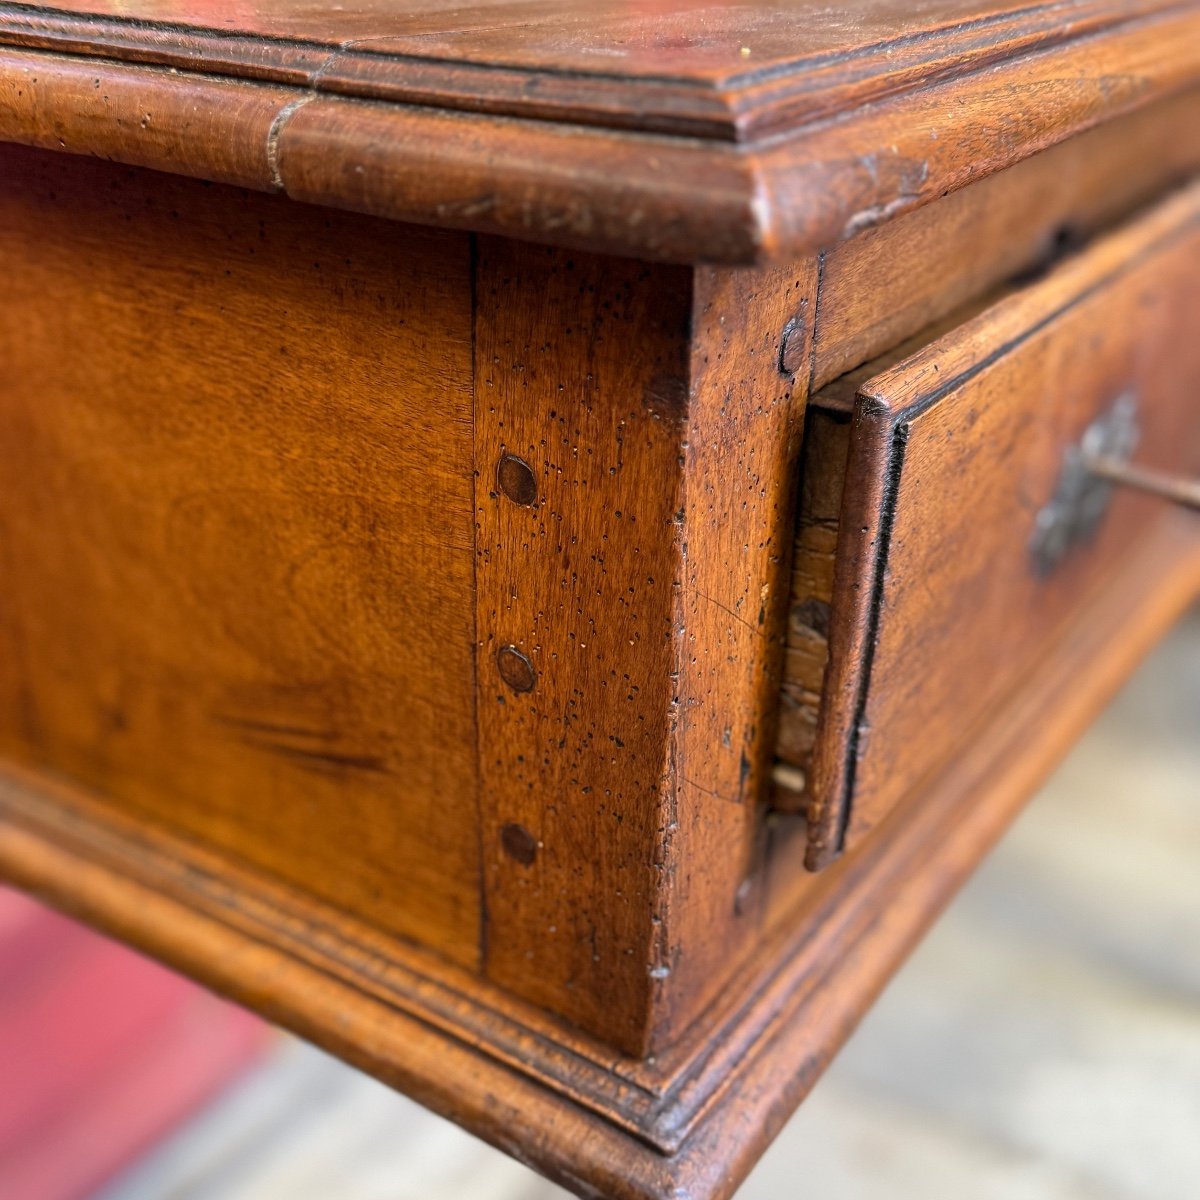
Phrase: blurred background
[1042,1044]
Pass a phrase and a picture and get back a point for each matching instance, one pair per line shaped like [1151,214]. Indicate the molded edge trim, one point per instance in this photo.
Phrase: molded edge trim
[647,196]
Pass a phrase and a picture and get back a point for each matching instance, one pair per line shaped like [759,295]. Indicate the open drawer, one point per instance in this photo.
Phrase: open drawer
[950,526]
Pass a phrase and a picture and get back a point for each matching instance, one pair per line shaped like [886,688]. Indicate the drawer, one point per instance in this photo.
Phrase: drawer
[948,531]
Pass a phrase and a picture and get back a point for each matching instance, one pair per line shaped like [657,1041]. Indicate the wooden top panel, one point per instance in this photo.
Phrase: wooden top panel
[688,39]
[718,70]
[668,129]
[663,39]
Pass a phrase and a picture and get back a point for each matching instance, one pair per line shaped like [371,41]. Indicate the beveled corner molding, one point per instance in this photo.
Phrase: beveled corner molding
[689,1123]
[803,144]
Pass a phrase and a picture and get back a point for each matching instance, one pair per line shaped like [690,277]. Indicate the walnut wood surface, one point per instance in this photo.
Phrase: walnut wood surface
[490,1064]
[938,606]
[498,535]
[236,534]
[671,66]
[578,581]
[521,717]
[637,573]
[894,281]
[676,131]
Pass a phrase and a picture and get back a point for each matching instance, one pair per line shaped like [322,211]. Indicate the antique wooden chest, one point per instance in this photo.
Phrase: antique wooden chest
[540,543]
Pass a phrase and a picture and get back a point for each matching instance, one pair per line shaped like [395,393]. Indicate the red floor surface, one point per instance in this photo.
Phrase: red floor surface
[102,1053]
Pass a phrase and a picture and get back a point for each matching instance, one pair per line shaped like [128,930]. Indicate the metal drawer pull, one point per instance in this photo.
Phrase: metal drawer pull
[1176,488]
[1091,468]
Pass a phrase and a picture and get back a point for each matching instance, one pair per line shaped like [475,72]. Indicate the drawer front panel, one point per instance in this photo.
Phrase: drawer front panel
[959,554]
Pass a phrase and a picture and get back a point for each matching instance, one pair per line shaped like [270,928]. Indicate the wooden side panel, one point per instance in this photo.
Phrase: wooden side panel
[582,398]
[235,529]
[940,606]
[637,432]
[751,340]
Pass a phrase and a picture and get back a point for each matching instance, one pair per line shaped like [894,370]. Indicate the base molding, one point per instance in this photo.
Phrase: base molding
[690,1123]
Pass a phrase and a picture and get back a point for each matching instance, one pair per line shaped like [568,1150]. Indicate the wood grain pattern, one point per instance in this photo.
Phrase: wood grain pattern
[767,1042]
[751,341]
[682,134]
[236,534]
[579,582]
[633,573]
[396,620]
[938,607]
[893,281]
[676,66]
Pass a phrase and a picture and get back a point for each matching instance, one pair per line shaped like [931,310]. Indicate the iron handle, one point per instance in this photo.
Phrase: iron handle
[1176,488]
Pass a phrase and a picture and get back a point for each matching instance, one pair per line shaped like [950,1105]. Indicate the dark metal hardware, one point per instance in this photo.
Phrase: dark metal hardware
[1176,488]
[1092,468]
